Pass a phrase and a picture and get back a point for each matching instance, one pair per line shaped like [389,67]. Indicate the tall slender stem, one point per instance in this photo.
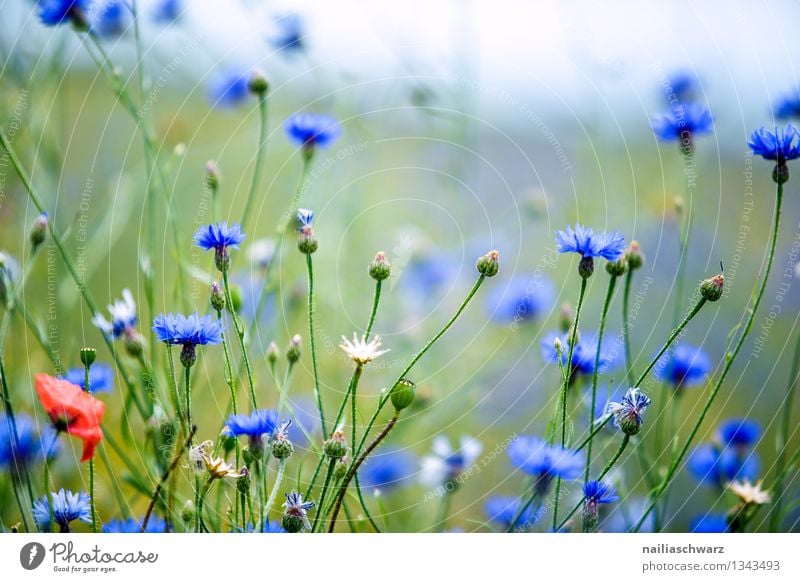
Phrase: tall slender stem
[187,371]
[274,492]
[375,302]
[683,237]
[174,385]
[612,282]
[730,357]
[323,494]
[260,150]
[317,394]
[783,439]
[565,387]
[626,326]
[237,324]
[88,388]
[354,468]
[12,425]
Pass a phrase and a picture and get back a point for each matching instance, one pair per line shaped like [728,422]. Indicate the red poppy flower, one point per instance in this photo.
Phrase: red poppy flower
[72,410]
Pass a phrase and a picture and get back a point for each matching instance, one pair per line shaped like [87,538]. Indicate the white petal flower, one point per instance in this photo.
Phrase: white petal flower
[749,493]
[361,351]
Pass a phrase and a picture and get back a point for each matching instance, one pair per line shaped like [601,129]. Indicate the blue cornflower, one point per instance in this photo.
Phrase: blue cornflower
[683,123]
[110,19]
[629,414]
[682,85]
[739,432]
[387,468]
[710,523]
[712,465]
[522,299]
[189,332]
[596,493]
[535,457]
[29,446]
[230,87]
[502,510]
[426,275]
[295,513]
[781,145]
[67,507]
[599,492]
[154,525]
[257,425]
[447,463]
[588,244]
[167,11]
[56,12]
[788,106]
[311,130]
[583,354]
[101,377]
[305,217]
[220,237]
[290,33]
[686,365]
[123,319]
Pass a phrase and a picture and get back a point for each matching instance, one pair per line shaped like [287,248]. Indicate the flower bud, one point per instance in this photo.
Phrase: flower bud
[292,523]
[236,297]
[272,353]
[258,84]
[222,259]
[617,268]
[780,174]
[307,242]
[39,230]
[212,175]
[557,344]
[227,441]
[88,356]
[217,297]
[586,267]
[134,343]
[711,289]
[336,446]
[403,394]
[188,355]
[380,268]
[566,317]
[635,256]
[188,512]
[282,448]
[340,468]
[243,483]
[489,264]
[294,350]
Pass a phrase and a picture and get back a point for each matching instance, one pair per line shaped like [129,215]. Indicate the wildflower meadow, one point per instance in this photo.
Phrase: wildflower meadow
[250,284]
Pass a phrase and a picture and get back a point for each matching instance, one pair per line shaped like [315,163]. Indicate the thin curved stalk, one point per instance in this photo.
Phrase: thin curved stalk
[729,359]
[626,326]
[317,393]
[260,150]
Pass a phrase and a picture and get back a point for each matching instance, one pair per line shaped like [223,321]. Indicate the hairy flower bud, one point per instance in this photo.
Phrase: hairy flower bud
[294,350]
[489,264]
[635,256]
[217,297]
[712,288]
[39,230]
[403,394]
[336,446]
[380,268]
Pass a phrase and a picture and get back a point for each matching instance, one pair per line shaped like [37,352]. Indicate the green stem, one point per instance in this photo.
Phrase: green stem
[375,302]
[12,425]
[444,509]
[274,492]
[612,282]
[174,385]
[683,239]
[295,201]
[324,492]
[565,387]
[783,439]
[729,359]
[354,468]
[522,509]
[237,324]
[88,388]
[317,394]
[626,326]
[187,371]
[626,439]
[262,143]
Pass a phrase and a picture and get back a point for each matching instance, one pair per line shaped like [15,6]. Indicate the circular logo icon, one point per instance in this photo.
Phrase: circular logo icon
[31,555]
